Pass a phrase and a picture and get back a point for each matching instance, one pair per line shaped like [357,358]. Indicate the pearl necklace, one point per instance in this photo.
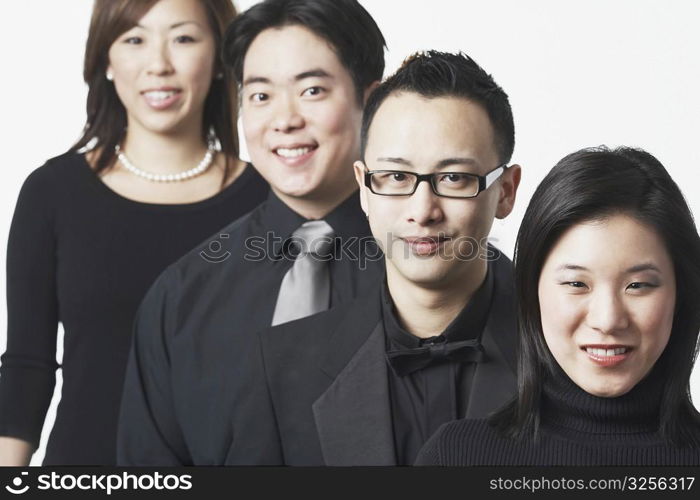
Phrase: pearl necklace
[181,176]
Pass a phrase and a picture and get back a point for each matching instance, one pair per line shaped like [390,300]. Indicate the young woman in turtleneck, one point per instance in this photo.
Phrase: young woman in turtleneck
[607,276]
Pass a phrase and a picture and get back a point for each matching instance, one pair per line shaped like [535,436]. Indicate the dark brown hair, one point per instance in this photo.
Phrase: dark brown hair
[106,115]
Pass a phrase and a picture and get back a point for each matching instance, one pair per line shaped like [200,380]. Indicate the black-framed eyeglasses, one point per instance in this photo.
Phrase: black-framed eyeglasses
[445,184]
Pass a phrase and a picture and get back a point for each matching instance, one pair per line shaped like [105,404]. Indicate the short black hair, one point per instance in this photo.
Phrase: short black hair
[434,74]
[345,24]
[594,184]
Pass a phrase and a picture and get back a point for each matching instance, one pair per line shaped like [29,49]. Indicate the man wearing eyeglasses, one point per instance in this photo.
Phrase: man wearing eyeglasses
[368,383]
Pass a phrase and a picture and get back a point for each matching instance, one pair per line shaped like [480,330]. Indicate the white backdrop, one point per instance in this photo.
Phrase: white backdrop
[615,73]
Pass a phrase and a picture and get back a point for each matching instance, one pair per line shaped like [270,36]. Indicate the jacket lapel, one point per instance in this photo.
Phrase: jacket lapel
[353,416]
[495,380]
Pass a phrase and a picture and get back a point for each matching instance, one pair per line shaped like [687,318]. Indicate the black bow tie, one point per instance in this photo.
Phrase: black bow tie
[405,361]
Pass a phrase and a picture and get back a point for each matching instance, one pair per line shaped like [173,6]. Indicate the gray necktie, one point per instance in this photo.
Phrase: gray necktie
[306,288]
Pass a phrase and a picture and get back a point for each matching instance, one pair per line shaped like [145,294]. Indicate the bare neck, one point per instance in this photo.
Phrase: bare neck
[316,207]
[426,312]
[164,153]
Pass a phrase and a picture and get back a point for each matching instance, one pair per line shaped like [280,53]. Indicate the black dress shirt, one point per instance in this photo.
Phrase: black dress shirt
[195,321]
[425,399]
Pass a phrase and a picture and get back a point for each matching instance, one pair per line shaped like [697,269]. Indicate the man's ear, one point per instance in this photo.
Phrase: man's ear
[369,90]
[359,168]
[510,180]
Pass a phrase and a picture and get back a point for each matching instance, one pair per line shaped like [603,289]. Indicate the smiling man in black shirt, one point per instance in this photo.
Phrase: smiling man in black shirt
[305,69]
[368,382]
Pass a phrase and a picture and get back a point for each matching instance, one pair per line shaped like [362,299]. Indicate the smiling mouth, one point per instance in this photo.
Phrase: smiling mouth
[160,95]
[606,352]
[295,152]
[607,355]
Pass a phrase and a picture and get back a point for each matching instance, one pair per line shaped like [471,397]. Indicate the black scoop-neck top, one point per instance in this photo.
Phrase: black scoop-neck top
[83,255]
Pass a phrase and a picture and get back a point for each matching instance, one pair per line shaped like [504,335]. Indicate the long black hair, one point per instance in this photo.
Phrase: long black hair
[592,184]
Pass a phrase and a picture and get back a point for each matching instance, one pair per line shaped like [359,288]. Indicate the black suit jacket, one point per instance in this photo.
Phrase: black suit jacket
[316,390]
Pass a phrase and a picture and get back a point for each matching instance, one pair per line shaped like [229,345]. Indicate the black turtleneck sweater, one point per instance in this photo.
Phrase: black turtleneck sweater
[576,428]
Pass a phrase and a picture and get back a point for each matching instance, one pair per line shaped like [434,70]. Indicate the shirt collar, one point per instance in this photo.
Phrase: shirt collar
[468,324]
[278,221]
